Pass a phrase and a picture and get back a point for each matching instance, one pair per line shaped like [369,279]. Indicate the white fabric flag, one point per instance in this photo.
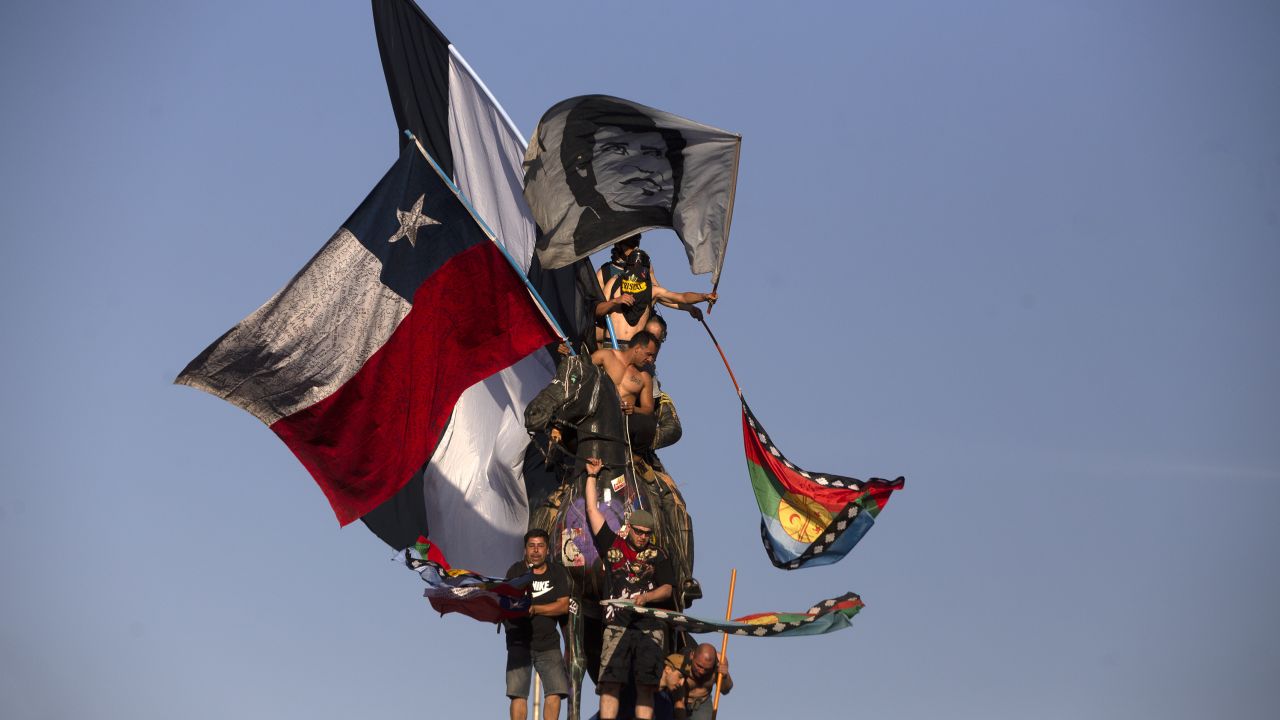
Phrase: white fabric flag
[477,510]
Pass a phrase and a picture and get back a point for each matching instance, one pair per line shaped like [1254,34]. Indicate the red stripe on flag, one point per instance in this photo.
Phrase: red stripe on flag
[833,499]
[470,319]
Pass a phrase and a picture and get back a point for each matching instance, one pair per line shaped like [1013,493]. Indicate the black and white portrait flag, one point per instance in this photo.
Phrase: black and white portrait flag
[599,169]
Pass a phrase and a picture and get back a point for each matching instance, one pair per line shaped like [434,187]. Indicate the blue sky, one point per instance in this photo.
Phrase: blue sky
[1024,253]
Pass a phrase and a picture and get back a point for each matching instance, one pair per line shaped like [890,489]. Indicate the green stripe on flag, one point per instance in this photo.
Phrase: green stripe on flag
[768,493]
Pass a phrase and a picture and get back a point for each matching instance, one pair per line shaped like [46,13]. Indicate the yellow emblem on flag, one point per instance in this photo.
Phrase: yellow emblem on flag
[803,518]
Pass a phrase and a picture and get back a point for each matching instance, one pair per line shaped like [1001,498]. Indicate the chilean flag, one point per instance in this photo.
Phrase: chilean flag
[471,496]
[358,362]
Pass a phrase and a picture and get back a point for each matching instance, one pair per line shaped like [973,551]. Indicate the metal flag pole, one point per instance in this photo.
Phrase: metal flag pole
[542,305]
[724,643]
[613,336]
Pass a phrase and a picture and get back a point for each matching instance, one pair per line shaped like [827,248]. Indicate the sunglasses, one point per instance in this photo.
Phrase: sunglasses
[641,531]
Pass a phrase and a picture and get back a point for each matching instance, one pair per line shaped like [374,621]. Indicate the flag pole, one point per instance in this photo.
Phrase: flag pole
[546,311]
[724,642]
[728,221]
[613,336]
[537,696]
[722,357]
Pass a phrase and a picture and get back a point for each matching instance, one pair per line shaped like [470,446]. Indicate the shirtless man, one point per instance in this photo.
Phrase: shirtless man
[631,289]
[701,667]
[635,386]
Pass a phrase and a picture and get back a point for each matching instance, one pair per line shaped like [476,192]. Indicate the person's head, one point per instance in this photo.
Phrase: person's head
[657,327]
[624,247]
[617,159]
[640,529]
[537,543]
[702,663]
[644,349]
[672,673]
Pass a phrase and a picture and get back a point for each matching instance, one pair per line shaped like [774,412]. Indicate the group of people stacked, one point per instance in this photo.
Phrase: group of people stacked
[636,669]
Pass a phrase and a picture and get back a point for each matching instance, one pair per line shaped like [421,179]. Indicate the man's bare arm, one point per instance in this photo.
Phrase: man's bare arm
[591,497]
[658,594]
[616,304]
[666,297]
[644,403]
[726,682]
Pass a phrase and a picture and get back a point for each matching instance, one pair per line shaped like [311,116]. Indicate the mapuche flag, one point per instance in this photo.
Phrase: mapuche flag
[357,363]
[827,616]
[450,589]
[807,518]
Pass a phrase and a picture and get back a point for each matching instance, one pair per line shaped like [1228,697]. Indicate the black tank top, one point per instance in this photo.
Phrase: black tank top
[635,279]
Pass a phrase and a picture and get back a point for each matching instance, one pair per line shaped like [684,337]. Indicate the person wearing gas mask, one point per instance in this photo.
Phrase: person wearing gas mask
[630,291]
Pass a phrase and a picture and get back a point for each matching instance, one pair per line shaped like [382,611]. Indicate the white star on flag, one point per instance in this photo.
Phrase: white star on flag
[410,221]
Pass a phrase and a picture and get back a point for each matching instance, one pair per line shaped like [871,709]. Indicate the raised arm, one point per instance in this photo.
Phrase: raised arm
[591,497]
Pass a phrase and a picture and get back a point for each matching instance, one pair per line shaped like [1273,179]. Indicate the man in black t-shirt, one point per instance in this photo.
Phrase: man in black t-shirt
[535,640]
[636,570]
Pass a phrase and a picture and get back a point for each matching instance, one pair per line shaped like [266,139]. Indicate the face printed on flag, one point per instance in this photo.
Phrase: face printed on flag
[600,168]
[631,169]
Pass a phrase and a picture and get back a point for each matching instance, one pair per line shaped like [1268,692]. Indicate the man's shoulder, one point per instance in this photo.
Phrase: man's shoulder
[516,570]
[605,537]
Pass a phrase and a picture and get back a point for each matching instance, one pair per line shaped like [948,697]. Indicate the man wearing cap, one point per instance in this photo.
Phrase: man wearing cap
[636,570]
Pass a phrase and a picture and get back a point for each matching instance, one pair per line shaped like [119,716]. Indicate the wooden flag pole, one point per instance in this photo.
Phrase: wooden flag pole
[724,641]
[725,360]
